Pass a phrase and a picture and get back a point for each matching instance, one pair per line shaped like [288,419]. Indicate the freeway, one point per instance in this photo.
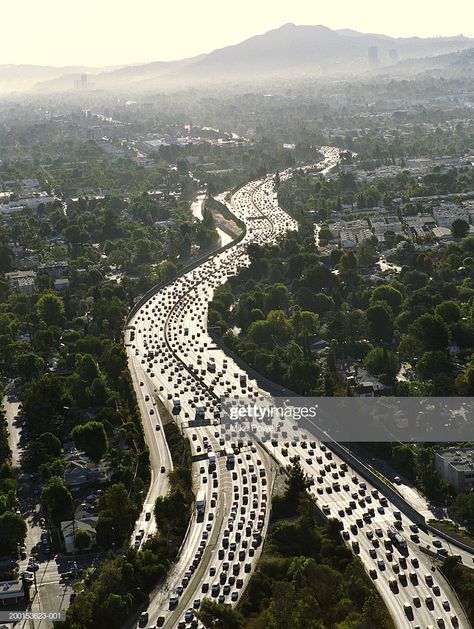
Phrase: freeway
[407,578]
[223,545]
[173,358]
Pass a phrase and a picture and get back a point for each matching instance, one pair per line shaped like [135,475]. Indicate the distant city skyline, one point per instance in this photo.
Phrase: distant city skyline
[104,33]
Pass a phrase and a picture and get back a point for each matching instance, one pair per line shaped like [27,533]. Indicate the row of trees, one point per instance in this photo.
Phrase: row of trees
[125,580]
[12,525]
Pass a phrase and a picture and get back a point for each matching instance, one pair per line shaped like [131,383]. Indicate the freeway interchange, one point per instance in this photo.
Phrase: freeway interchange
[172,358]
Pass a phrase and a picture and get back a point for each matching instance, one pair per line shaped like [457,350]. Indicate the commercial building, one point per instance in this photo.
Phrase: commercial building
[446,215]
[373,55]
[31,201]
[94,133]
[456,465]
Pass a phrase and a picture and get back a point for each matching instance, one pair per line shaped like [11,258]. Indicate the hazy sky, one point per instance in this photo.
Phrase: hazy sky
[108,32]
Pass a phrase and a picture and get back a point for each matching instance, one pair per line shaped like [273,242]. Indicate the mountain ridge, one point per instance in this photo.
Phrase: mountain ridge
[287,51]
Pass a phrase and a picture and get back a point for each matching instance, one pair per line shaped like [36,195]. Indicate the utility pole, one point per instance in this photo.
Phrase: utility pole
[74,533]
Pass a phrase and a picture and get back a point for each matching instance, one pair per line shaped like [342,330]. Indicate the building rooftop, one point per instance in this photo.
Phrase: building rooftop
[11,589]
[460,458]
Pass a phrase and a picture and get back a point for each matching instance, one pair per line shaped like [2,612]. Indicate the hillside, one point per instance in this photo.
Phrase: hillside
[288,51]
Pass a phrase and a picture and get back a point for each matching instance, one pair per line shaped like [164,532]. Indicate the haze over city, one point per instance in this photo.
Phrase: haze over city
[91,33]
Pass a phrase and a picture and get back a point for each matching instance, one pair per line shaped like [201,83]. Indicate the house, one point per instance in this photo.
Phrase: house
[7,209]
[447,214]
[81,471]
[55,269]
[11,592]
[22,281]
[442,233]
[61,284]
[348,241]
[366,389]
[31,201]
[320,345]
[82,520]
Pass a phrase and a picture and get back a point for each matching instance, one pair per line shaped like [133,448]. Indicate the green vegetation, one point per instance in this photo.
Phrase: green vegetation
[126,579]
[462,580]
[289,297]
[295,299]
[12,525]
[108,598]
[307,577]
[453,530]
[92,439]
[121,228]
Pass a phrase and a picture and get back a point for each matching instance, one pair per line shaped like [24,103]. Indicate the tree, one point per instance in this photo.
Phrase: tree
[380,320]
[431,364]
[74,234]
[98,393]
[171,512]
[107,533]
[464,383]
[51,444]
[218,616]
[430,331]
[459,228]
[45,403]
[302,375]
[321,303]
[29,364]
[91,438]
[449,311]
[12,533]
[297,483]
[6,259]
[276,297]
[275,328]
[373,613]
[50,309]
[57,501]
[348,263]
[87,369]
[168,270]
[304,324]
[118,512]
[383,363]
[390,295]
[82,539]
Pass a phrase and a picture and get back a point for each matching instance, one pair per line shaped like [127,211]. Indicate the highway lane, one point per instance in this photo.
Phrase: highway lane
[154,436]
[343,494]
[174,375]
[186,365]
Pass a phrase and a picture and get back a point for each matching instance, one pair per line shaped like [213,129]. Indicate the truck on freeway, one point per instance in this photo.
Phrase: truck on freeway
[230,458]
[201,502]
[396,538]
